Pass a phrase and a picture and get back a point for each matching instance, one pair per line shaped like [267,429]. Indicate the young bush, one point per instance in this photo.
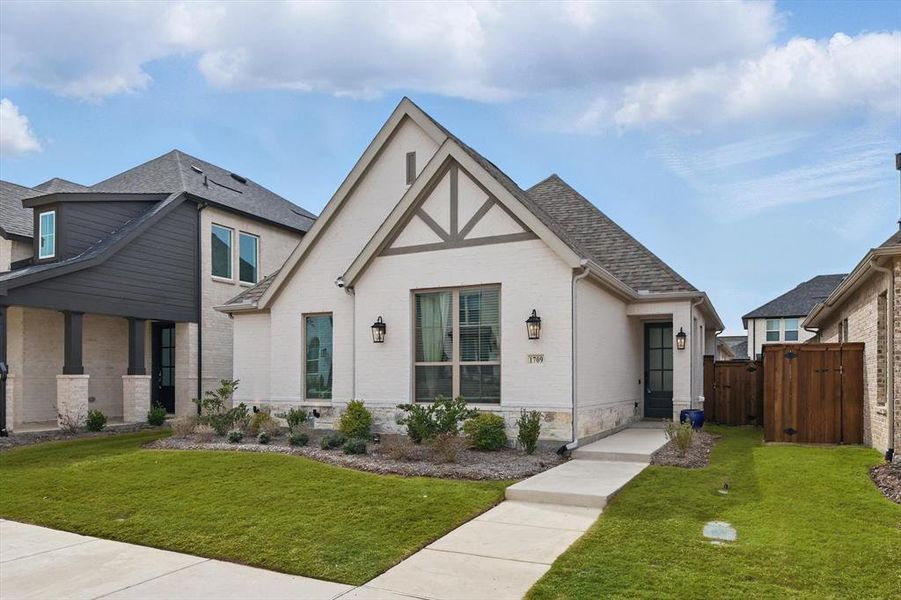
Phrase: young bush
[330,442]
[235,436]
[156,416]
[204,433]
[263,422]
[399,448]
[298,439]
[529,426]
[418,421]
[446,447]
[216,401]
[264,438]
[681,435]
[441,416]
[355,446]
[296,418]
[486,431]
[356,421]
[183,427]
[95,420]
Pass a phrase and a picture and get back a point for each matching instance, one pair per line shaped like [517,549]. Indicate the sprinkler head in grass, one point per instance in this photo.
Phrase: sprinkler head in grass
[725,488]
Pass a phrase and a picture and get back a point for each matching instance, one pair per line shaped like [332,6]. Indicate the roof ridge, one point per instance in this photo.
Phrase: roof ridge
[181,175]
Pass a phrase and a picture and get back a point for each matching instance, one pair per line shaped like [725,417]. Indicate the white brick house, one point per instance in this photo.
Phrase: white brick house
[436,242]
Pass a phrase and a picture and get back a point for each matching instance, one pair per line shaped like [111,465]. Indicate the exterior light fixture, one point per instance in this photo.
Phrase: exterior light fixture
[680,339]
[533,325]
[378,331]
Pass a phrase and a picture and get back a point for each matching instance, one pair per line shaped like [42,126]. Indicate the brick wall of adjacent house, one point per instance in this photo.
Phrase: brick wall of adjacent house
[861,309]
[896,367]
[12,251]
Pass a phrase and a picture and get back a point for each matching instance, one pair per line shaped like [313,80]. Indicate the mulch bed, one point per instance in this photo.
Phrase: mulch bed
[499,465]
[887,478]
[696,457]
[38,437]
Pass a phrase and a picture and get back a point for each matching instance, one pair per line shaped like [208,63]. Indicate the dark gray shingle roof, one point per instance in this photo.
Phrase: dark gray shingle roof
[800,300]
[14,218]
[176,171]
[253,294]
[894,240]
[738,344]
[607,243]
[57,184]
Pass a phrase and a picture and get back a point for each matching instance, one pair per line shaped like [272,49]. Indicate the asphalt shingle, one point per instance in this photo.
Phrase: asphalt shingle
[14,218]
[799,301]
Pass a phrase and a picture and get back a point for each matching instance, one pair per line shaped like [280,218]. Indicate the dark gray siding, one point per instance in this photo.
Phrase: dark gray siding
[153,277]
[82,224]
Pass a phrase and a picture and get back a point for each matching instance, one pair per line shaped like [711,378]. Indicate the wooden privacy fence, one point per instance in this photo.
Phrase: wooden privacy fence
[813,393]
[733,391]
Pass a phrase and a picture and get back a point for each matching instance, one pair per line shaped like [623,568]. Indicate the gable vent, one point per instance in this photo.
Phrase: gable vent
[411,167]
[238,178]
[196,169]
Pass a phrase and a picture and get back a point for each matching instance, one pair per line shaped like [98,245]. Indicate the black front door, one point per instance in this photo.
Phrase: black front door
[163,382]
[658,370]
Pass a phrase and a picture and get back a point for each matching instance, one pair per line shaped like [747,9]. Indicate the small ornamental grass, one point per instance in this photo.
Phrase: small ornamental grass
[354,446]
[681,435]
[330,442]
[264,438]
[298,439]
[182,427]
[486,431]
[296,419]
[263,422]
[447,447]
[204,433]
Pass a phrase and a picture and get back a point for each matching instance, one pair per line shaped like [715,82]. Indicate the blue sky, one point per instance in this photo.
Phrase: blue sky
[750,145]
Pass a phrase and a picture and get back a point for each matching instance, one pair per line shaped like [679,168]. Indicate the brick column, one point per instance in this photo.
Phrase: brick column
[10,402]
[71,399]
[135,398]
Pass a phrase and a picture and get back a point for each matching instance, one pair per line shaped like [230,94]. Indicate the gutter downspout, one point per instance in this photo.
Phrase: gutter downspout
[889,355]
[199,294]
[353,338]
[575,442]
[691,369]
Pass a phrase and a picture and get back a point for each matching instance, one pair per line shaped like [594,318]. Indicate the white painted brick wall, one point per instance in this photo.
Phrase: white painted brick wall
[105,355]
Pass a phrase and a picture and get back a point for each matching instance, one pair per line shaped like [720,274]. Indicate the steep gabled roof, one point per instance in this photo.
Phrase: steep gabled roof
[14,218]
[177,171]
[605,242]
[57,184]
[738,344]
[800,300]
[892,241]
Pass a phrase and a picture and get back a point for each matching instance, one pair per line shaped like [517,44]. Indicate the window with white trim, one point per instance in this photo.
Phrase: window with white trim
[317,335]
[457,344]
[791,330]
[772,330]
[248,257]
[221,251]
[47,234]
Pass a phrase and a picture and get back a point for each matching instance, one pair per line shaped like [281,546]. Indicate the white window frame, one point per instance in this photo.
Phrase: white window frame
[767,330]
[256,240]
[41,255]
[456,363]
[231,252]
[796,329]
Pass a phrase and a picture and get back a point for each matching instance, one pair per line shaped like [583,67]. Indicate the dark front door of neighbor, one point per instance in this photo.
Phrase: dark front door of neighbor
[658,370]
[163,383]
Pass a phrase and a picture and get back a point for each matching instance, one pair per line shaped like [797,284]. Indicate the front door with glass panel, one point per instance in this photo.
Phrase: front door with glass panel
[658,370]
[163,376]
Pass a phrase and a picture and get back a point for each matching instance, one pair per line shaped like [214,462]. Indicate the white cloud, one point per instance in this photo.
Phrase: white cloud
[803,80]
[16,136]
[485,51]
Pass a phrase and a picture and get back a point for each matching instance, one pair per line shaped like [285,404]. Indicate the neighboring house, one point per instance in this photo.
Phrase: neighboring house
[109,289]
[431,241]
[731,347]
[866,307]
[779,320]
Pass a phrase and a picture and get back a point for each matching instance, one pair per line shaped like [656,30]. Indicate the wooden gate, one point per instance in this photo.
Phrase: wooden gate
[813,393]
[733,392]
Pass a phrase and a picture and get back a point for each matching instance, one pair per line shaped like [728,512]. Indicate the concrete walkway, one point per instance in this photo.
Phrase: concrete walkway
[499,554]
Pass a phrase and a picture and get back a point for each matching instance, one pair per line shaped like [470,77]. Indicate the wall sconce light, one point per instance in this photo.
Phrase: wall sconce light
[378,331]
[533,325]
[680,339]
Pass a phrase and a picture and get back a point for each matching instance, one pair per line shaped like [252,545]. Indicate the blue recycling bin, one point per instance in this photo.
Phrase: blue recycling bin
[695,416]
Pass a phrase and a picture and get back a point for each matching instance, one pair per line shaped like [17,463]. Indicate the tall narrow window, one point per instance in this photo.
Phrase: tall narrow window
[248,254]
[457,342]
[411,167]
[221,251]
[772,330]
[47,234]
[318,350]
[791,330]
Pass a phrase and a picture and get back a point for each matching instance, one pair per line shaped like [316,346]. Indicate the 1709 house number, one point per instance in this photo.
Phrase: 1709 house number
[535,359]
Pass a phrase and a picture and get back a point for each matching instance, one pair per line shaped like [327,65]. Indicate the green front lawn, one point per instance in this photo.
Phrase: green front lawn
[284,513]
[810,524]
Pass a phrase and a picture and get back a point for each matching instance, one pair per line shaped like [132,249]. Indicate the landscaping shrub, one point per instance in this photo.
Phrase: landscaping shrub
[204,433]
[264,438]
[446,447]
[183,426]
[681,435]
[95,420]
[529,426]
[354,446]
[399,448]
[235,436]
[296,418]
[263,422]
[330,442]
[156,416]
[441,416]
[216,401]
[356,421]
[486,431]
[298,439]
